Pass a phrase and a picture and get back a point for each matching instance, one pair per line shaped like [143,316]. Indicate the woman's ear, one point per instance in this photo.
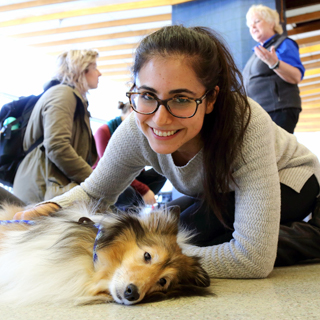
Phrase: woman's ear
[212,100]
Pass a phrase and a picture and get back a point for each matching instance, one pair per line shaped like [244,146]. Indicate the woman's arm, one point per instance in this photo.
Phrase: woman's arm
[285,71]
[252,251]
[102,137]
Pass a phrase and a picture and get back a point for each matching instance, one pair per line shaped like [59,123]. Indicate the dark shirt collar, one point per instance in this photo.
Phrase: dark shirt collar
[265,43]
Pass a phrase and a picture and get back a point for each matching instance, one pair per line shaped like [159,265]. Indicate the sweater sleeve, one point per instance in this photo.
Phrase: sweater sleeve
[252,251]
[58,119]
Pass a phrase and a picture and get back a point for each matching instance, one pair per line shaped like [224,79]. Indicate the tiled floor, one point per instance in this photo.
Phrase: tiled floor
[288,293]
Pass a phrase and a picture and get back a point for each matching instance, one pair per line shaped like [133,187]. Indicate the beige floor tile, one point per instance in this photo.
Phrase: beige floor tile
[288,293]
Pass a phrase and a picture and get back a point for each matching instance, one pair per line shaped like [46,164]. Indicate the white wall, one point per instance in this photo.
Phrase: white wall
[311,140]
[24,71]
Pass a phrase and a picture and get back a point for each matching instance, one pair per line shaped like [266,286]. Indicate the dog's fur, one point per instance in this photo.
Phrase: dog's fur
[138,258]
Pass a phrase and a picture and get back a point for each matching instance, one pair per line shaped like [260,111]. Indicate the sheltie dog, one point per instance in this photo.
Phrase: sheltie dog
[81,256]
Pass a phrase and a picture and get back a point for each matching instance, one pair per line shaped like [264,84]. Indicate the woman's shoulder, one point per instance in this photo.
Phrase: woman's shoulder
[260,122]
[129,132]
[61,94]
[288,45]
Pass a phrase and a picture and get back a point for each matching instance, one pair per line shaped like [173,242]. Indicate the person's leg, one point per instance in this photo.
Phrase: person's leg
[152,179]
[299,240]
[196,216]
[286,118]
[6,196]
[296,206]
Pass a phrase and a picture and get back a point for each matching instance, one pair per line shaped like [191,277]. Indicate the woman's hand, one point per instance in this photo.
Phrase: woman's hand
[268,57]
[285,71]
[149,198]
[42,210]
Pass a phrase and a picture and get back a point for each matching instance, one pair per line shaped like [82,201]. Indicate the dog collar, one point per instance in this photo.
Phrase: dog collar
[6,222]
[86,220]
[30,222]
[98,236]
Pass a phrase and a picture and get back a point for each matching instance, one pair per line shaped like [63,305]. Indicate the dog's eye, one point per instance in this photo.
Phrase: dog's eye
[162,282]
[147,257]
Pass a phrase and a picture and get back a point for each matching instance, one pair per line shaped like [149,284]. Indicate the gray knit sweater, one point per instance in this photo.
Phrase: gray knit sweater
[270,155]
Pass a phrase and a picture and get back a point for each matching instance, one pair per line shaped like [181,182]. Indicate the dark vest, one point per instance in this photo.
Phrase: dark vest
[265,87]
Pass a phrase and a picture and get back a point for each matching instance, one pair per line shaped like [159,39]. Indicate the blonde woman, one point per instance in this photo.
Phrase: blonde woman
[272,73]
[65,157]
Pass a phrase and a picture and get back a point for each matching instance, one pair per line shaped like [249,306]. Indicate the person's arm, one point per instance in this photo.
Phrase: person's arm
[58,120]
[102,137]
[252,251]
[40,210]
[284,70]
[140,187]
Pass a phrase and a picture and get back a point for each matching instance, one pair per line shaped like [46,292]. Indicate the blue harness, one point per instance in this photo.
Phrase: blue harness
[6,222]
[30,222]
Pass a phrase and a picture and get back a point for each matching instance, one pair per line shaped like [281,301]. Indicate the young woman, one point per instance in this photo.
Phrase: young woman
[65,157]
[194,124]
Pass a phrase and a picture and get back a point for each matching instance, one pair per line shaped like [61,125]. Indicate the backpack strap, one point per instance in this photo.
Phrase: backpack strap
[37,143]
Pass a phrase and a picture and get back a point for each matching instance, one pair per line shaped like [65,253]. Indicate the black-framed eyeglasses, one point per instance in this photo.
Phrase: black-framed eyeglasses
[148,103]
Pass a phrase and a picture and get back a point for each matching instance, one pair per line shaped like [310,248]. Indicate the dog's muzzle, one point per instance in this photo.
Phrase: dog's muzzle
[131,293]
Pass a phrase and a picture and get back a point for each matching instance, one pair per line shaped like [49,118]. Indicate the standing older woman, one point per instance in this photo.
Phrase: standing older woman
[272,73]
[61,117]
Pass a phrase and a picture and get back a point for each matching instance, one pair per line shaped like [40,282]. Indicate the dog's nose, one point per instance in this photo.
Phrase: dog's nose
[131,293]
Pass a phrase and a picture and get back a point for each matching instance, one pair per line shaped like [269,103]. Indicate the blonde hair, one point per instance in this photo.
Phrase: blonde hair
[269,15]
[72,66]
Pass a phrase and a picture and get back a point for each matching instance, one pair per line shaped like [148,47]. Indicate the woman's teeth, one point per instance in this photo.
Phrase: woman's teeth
[164,133]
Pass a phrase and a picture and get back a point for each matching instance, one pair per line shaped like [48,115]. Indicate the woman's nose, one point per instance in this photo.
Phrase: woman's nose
[162,116]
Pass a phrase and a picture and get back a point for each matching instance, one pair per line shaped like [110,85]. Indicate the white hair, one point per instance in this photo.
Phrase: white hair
[269,15]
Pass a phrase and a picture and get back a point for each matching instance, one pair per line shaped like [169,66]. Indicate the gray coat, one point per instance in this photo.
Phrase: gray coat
[65,157]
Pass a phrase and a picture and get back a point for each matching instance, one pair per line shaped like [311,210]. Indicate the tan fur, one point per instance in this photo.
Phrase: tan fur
[121,264]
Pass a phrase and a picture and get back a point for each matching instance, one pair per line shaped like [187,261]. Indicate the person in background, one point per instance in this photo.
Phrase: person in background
[147,183]
[66,156]
[272,74]
[247,183]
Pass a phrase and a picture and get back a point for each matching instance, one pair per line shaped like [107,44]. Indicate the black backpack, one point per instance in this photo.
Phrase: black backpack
[12,135]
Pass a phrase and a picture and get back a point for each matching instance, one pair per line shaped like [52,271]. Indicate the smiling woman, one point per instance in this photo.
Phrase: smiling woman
[240,173]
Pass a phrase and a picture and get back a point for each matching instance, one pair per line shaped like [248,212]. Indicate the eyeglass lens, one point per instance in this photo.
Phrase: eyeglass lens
[180,106]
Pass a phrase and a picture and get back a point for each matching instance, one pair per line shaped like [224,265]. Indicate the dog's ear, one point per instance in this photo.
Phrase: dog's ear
[193,274]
